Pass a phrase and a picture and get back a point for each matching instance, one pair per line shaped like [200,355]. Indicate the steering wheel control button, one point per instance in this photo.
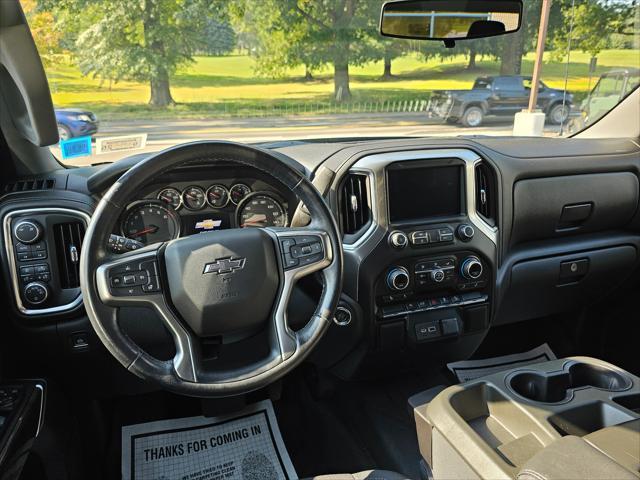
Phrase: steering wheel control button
[151,267]
[134,278]
[289,261]
[27,231]
[465,232]
[398,240]
[153,285]
[301,250]
[398,278]
[36,293]
[286,244]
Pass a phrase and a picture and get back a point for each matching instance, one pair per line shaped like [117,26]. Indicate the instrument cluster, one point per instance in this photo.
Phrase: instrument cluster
[174,210]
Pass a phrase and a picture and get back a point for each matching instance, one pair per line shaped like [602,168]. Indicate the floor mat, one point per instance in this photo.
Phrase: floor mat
[471,369]
[246,445]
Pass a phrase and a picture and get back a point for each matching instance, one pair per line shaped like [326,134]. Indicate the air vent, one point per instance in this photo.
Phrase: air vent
[68,238]
[29,185]
[486,193]
[355,210]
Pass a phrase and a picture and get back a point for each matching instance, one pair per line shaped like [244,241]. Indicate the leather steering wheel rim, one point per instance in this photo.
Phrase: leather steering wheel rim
[182,374]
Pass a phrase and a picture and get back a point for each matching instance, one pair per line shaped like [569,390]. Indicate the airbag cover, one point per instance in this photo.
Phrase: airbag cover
[223,282]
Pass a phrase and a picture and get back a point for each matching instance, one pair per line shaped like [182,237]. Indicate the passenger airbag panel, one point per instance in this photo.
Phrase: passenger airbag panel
[550,207]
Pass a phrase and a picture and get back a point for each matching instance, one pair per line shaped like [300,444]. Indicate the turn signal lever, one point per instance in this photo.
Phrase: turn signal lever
[119,244]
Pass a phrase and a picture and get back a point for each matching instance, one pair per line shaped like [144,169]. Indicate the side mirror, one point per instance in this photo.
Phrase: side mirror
[450,20]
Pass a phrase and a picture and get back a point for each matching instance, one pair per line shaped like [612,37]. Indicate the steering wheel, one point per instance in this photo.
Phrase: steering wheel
[229,283]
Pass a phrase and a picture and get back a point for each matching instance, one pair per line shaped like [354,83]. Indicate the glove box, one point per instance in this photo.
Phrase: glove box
[545,286]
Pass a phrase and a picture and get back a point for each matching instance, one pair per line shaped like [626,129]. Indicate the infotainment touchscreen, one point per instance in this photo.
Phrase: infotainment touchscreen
[424,192]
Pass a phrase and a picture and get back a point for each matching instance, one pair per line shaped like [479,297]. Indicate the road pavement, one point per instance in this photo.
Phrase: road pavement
[165,133]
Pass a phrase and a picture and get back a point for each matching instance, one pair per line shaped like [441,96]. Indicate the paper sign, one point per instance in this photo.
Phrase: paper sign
[119,144]
[244,446]
[75,147]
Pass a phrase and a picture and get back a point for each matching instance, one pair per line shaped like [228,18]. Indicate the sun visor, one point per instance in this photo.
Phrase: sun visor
[23,83]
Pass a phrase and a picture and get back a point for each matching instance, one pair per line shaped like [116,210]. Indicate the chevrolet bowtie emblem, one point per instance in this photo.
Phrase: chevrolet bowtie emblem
[224,265]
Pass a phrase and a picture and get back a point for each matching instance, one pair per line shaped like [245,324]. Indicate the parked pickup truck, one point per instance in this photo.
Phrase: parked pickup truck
[499,96]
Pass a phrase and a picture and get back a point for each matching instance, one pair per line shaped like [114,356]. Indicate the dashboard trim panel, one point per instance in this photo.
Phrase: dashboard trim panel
[8,241]
[374,167]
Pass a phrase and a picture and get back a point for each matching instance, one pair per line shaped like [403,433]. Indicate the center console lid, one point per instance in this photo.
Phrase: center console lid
[500,425]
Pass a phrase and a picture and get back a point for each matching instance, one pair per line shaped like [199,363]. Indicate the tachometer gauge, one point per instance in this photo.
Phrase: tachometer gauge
[238,192]
[194,198]
[261,210]
[217,196]
[150,221]
[170,196]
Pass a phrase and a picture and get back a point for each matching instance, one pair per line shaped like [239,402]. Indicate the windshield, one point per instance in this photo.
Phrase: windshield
[138,76]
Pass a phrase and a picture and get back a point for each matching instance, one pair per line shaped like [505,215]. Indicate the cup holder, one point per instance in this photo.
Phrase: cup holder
[557,386]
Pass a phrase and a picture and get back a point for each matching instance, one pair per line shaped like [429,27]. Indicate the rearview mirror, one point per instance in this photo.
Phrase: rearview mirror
[450,19]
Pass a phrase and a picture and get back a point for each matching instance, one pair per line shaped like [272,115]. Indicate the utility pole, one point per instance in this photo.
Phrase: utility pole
[537,68]
[530,122]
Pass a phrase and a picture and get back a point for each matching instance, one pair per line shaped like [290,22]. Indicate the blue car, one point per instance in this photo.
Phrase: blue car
[74,122]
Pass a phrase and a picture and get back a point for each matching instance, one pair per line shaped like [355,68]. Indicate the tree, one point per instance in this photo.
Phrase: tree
[516,45]
[388,50]
[218,38]
[46,33]
[594,23]
[145,40]
[313,33]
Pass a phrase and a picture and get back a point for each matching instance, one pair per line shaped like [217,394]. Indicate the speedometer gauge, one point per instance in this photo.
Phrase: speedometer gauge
[194,198]
[261,210]
[170,196]
[150,221]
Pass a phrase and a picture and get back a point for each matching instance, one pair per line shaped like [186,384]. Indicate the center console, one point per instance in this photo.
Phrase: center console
[427,259]
[569,418]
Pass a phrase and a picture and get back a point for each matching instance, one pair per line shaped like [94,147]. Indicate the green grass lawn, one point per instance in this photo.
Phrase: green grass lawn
[212,86]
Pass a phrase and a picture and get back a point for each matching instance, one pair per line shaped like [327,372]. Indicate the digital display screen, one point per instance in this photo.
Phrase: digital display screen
[424,192]
[192,224]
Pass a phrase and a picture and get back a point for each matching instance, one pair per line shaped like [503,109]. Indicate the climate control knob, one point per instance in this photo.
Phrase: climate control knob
[398,240]
[471,268]
[465,232]
[35,293]
[27,231]
[437,275]
[398,278]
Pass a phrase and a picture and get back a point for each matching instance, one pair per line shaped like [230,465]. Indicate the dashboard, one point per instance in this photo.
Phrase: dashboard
[443,239]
